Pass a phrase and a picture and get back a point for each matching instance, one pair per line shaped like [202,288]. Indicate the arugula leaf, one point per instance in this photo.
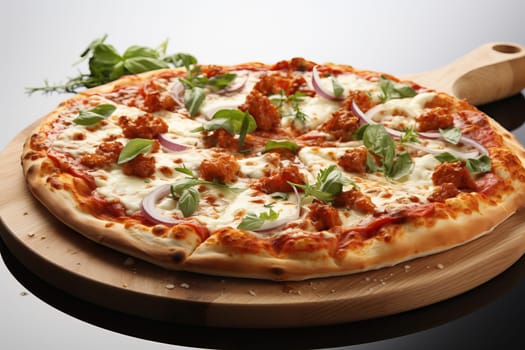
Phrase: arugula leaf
[391,90]
[289,145]
[452,135]
[94,115]
[133,148]
[106,64]
[253,221]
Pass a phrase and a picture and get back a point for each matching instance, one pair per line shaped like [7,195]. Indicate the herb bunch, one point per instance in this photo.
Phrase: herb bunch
[106,64]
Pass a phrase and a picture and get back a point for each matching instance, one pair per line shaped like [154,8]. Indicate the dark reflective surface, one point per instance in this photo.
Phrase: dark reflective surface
[488,317]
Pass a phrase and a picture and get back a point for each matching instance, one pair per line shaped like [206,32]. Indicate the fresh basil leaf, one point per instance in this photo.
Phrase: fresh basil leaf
[446,157]
[452,135]
[136,65]
[188,201]
[231,120]
[371,165]
[330,180]
[133,148]
[219,82]
[358,134]
[244,130]
[379,142]
[103,61]
[479,165]
[94,115]
[289,145]
[401,167]
[140,51]
[391,90]
[252,221]
[193,99]
[329,183]
[181,60]
[337,87]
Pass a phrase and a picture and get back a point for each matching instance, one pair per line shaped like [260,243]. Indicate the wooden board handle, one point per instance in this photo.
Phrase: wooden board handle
[488,73]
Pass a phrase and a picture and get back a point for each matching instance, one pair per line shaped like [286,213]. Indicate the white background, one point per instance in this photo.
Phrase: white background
[41,39]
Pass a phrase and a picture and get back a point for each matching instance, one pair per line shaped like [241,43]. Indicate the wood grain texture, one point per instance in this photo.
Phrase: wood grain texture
[488,73]
[108,278]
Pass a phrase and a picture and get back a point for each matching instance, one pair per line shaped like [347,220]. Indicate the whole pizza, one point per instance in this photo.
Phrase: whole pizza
[287,171]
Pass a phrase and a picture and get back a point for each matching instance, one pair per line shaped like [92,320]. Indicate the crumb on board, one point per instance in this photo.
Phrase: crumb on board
[440,266]
[170,286]
[252,292]
[129,261]
[184,285]
[407,267]
[31,234]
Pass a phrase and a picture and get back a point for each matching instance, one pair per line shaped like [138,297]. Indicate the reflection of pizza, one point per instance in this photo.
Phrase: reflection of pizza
[285,171]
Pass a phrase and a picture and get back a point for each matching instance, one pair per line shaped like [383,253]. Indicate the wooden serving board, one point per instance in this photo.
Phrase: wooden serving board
[99,275]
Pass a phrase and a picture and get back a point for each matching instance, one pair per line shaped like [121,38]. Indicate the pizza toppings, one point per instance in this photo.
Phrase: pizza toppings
[266,114]
[294,160]
[455,173]
[282,181]
[144,126]
[223,169]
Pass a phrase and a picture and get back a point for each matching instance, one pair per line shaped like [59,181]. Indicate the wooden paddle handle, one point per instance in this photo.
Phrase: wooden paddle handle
[488,73]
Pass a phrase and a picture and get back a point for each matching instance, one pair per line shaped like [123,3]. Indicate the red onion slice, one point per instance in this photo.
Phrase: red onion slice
[366,118]
[167,143]
[479,148]
[274,224]
[236,85]
[316,83]
[177,92]
[149,208]
[462,155]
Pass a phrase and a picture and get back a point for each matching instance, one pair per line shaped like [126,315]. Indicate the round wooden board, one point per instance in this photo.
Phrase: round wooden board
[97,274]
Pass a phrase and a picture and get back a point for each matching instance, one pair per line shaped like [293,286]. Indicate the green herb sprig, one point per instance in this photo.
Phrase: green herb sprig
[187,195]
[133,148]
[391,90]
[293,100]
[253,221]
[329,183]
[106,64]
[234,121]
[378,142]
[94,115]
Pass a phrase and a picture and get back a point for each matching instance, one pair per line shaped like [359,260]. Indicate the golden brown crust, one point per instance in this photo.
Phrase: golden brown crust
[297,255]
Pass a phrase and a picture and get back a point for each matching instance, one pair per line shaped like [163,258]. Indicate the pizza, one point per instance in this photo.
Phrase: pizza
[284,171]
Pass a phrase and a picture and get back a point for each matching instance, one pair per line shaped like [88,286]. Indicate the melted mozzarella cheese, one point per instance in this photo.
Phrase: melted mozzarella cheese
[400,113]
